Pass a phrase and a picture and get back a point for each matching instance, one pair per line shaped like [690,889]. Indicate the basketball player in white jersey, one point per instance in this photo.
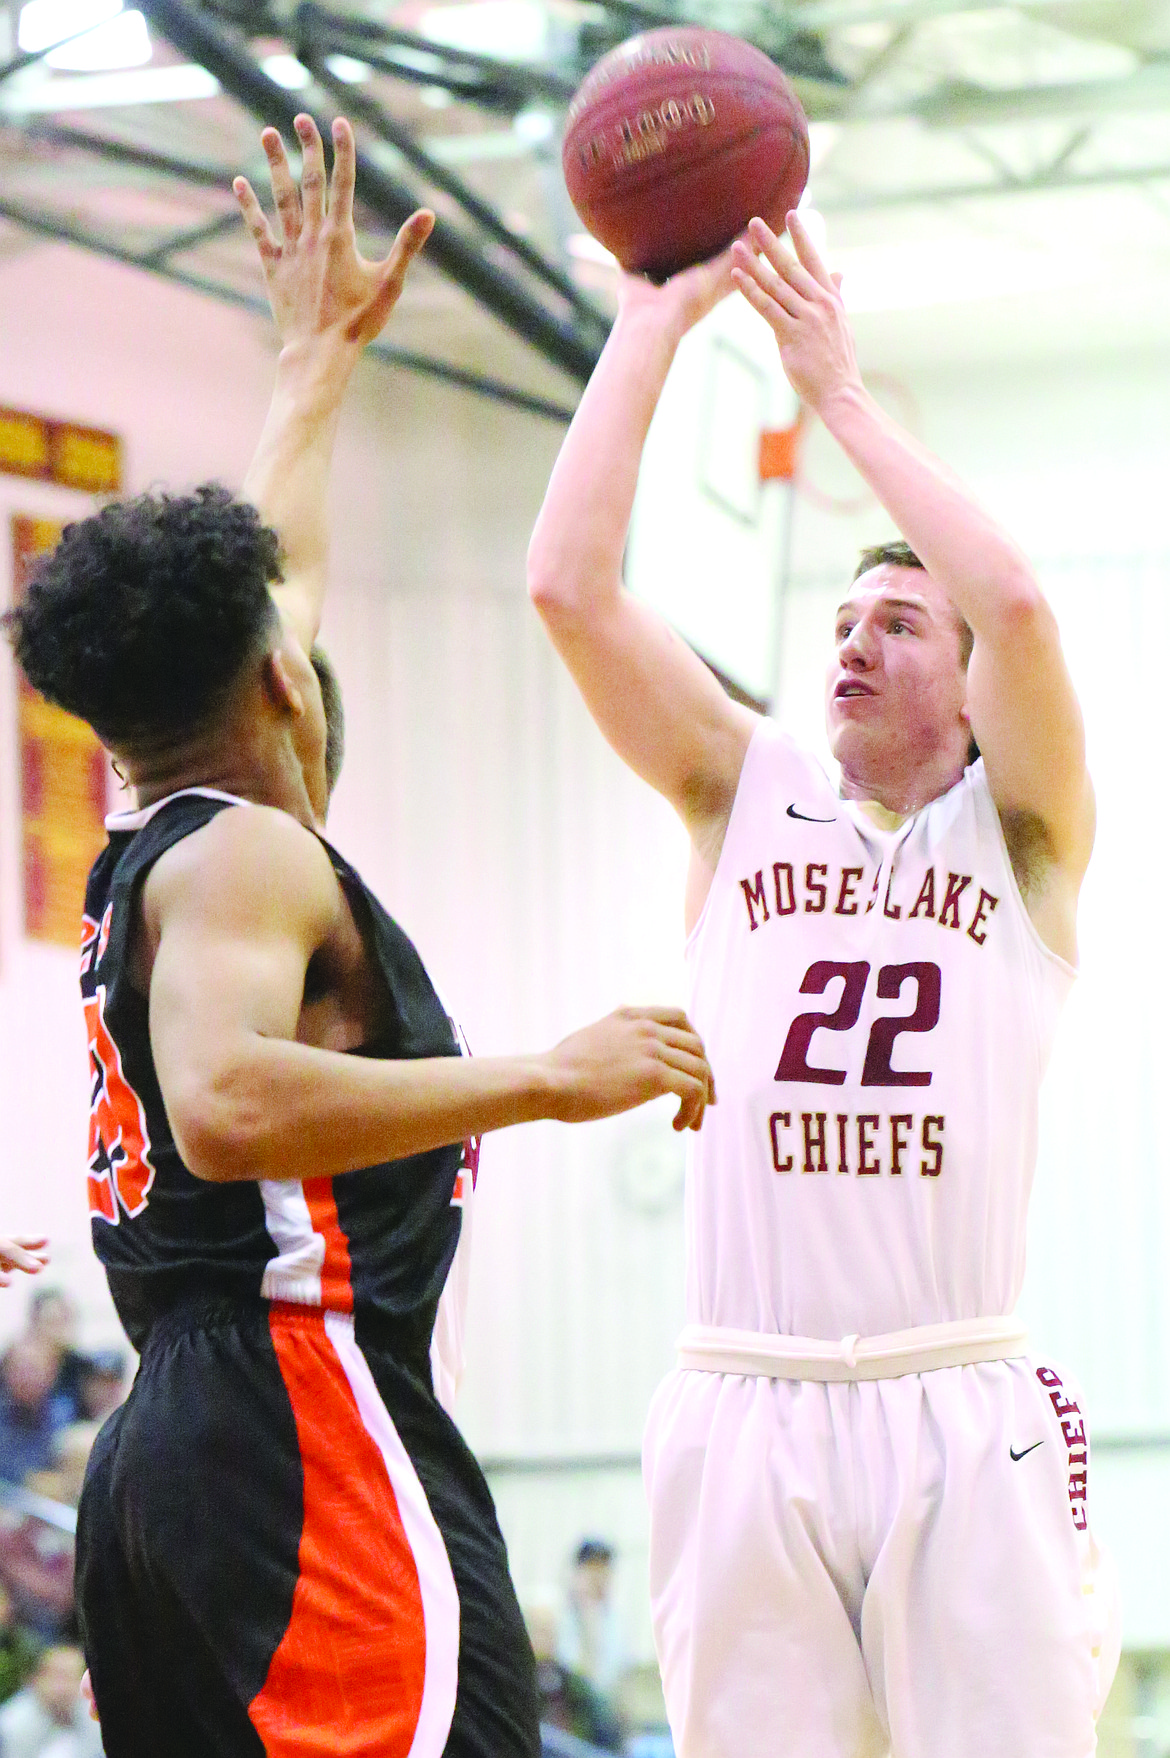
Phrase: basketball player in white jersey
[869,1528]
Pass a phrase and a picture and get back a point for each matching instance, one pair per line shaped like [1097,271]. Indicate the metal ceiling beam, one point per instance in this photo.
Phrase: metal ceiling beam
[190,239]
[352,34]
[118,152]
[558,338]
[822,15]
[864,202]
[963,106]
[67,232]
[375,117]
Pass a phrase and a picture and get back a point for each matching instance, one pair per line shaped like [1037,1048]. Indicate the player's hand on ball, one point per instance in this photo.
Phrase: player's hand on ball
[684,298]
[801,300]
[24,1252]
[631,1056]
[318,283]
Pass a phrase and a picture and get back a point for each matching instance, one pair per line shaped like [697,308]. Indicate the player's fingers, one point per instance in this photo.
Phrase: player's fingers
[774,284]
[344,172]
[763,302]
[786,266]
[409,240]
[685,1063]
[665,1016]
[690,1112]
[14,1256]
[412,235]
[312,170]
[807,251]
[284,189]
[256,220]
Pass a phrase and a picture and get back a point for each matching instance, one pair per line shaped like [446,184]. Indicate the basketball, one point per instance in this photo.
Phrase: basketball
[675,140]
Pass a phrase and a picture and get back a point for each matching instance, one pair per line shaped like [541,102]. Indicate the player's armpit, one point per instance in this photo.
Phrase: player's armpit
[232,916]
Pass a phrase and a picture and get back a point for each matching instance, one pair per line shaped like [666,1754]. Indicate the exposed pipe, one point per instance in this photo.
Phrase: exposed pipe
[64,232]
[386,127]
[348,29]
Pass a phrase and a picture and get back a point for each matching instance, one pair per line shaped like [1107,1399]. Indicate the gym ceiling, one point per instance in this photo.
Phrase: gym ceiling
[1028,142]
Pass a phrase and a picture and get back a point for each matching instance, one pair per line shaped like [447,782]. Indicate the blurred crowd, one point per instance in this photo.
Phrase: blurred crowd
[53,1399]
[592,1697]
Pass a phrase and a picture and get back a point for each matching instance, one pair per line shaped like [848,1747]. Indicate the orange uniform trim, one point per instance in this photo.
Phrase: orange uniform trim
[347,1679]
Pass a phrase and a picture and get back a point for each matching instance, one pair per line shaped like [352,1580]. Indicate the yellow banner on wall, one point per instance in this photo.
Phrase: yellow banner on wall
[65,452]
[64,782]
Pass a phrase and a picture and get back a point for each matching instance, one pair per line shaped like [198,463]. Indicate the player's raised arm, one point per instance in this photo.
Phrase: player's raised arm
[328,302]
[1024,713]
[233,915]
[654,700]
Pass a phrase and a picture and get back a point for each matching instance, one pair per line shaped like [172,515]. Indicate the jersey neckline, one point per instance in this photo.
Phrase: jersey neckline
[117,821]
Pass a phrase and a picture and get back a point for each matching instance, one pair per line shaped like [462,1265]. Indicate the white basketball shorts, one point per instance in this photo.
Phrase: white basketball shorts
[887,1566]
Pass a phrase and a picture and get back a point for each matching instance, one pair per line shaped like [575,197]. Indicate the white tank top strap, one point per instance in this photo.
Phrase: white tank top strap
[716,1349]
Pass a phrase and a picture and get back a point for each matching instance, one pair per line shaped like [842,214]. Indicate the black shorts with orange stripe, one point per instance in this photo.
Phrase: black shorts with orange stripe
[286,1550]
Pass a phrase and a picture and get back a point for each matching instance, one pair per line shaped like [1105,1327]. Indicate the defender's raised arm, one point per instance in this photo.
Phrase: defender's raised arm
[328,303]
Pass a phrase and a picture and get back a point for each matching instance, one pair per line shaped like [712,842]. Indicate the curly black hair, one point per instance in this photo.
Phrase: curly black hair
[144,615]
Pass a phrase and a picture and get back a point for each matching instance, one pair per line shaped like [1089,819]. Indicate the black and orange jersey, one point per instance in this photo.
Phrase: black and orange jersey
[380,1239]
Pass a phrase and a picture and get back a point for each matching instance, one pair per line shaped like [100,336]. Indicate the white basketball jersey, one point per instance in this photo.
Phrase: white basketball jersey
[878,1010]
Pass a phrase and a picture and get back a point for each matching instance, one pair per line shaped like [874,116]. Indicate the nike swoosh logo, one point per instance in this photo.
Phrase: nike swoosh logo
[1016,1457]
[793,813]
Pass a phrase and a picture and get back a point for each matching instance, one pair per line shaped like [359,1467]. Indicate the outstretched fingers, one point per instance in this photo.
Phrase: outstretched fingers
[256,220]
[341,185]
[312,171]
[767,278]
[412,235]
[284,189]
[809,255]
[787,267]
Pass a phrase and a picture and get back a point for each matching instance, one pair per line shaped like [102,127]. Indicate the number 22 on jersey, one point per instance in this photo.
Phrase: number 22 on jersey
[878,1069]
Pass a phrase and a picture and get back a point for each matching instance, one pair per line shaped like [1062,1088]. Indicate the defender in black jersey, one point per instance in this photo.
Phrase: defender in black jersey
[284,1546]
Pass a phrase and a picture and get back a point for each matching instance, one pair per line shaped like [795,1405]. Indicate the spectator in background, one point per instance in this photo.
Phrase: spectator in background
[18,1649]
[568,1701]
[102,1384]
[589,1639]
[63,1480]
[53,1321]
[28,1374]
[47,1719]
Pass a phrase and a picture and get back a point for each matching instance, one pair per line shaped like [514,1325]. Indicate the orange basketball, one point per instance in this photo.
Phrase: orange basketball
[675,140]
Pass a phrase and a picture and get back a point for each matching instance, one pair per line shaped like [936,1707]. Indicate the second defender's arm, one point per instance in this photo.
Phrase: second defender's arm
[655,701]
[234,914]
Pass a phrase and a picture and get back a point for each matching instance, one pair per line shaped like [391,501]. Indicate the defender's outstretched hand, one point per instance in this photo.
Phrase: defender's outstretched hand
[318,283]
[631,1056]
[802,302]
[22,1253]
